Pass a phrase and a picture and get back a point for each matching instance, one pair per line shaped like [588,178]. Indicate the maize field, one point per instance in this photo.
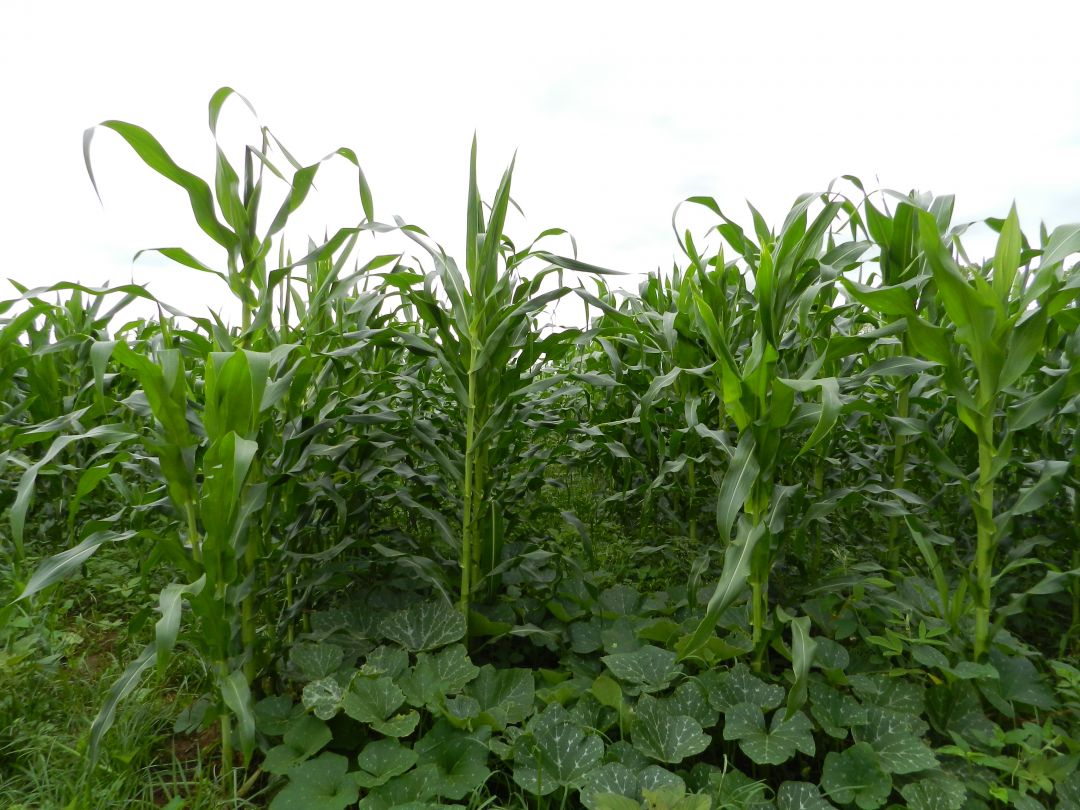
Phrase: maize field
[793,524]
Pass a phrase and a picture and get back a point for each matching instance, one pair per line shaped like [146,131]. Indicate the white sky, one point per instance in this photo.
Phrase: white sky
[618,111]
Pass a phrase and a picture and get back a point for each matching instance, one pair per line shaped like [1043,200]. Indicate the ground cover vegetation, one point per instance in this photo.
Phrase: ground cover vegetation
[794,525]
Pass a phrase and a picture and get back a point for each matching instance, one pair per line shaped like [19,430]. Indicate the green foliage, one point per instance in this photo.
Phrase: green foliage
[795,525]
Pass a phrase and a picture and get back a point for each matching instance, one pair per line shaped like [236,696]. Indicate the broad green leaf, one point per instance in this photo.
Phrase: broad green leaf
[461,759]
[505,695]
[728,688]
[691,698]
[935,793]
[801,796]
[381,761]
[855,775]
[650,668]
[371,700]
[436,675]
[304,738]
[415,789]
[555,752]
[663,736]
[835,711]
[1019,682]
[323,697]
[274,715]
[425,625]
[312,662]
[902,753]
[610,779]
[773,745]
[318,784]
[399,725]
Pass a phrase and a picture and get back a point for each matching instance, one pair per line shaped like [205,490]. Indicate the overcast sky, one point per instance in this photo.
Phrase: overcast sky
[617,111]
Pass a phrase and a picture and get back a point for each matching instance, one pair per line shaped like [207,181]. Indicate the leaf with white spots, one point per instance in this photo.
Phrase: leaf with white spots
[855,775]
[436,675]
[690,698]
[773,745]
[650,668]
[739,685]
[904,753]
[381,761]
[323,697]
[935,793]
[612,778]
[666,737]
[318,784]
[555,752]
[835,711]
[505,696]
[801,796]
[425,625]
[311,662]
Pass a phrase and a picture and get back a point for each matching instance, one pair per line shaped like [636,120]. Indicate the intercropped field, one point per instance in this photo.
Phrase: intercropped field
[793,524]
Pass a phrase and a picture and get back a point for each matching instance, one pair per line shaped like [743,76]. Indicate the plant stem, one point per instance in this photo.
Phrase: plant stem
[985,533]
[193,532]
[467,525]
[899,475]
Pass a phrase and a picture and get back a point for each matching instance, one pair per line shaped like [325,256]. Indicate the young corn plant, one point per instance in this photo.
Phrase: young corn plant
[493,360]
[794,274]
[999,319]
[213,421]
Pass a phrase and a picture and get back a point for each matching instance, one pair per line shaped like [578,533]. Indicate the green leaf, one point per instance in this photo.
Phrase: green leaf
[610,779]
[555,752]
[318,784]
[425,625]
[1019,682]
[381,761]
[371,700]
[835,711]
[663,736]
[461,759]
[802,657]
[323,697]
[505,695]
[400,725]
[123,686]
[733,580]
[649,668]
[801,796]
[729,688]
[738,480]
[768,746]
[304,738]
[59,566]
[935,793]
[855,775]
[148,148]
[436,675]
[312,662]
[1007,255]
[691,698]
[237,696]
[903,753]
[274,715]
